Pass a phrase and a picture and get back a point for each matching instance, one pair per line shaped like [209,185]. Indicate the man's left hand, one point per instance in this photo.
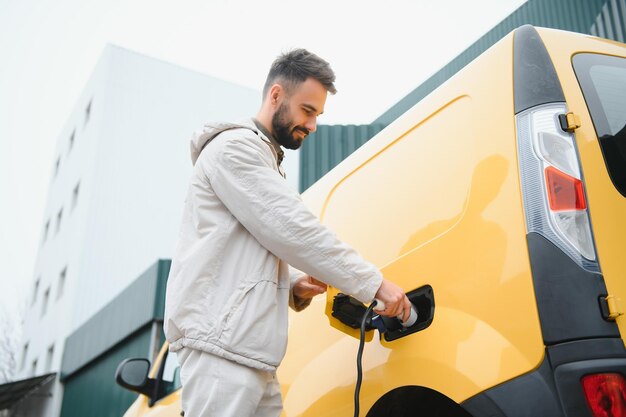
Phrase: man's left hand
[308,287]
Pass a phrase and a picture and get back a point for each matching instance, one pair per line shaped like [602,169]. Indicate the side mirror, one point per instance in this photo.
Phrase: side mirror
[132,374]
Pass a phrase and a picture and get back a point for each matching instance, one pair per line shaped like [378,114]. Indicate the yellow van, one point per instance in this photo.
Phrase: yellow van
[498,202]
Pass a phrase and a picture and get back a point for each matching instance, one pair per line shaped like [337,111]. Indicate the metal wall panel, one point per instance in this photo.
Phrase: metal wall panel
[92,391]
[328,146]
[610,23]
[137,306]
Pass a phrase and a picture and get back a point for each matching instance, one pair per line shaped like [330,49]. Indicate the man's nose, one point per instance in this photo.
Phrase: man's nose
[311,124]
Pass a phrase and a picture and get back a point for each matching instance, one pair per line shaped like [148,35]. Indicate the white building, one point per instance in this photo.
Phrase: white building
[116,195]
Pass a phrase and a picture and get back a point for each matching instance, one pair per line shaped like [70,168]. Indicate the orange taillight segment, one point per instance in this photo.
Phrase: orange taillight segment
[605,394]
[564,191]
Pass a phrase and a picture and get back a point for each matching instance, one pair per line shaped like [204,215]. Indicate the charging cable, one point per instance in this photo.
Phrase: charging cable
[376,323]
[359,356]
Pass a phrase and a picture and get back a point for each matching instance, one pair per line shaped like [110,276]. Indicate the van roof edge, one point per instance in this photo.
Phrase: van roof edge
[535,80]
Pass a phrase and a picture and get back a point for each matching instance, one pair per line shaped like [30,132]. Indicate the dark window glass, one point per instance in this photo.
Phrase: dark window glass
[603,82]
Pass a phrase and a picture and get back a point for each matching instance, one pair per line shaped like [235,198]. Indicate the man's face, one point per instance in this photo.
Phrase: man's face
[296,115]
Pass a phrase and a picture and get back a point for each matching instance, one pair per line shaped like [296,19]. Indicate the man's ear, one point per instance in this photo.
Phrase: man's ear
[276,94]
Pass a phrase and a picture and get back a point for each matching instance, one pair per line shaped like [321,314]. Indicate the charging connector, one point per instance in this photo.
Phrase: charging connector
[408,323]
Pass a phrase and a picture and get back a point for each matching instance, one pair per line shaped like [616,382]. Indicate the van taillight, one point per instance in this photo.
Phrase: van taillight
[564,191]
[553,188]
[605,394]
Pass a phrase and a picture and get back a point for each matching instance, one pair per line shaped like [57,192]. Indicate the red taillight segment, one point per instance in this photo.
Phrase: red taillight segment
[606,394]
[564,192]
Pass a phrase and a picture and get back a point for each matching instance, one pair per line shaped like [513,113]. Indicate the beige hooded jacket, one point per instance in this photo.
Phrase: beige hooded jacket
[229,286]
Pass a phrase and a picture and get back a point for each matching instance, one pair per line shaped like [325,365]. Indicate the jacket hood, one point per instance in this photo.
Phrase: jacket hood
[210,130]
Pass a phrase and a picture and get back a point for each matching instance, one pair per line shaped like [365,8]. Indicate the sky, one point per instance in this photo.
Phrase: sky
[380,51]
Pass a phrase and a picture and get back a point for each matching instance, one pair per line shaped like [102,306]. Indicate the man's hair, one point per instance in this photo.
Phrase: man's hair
[294,67]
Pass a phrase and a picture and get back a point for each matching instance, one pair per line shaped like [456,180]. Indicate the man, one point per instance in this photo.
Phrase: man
[243,233]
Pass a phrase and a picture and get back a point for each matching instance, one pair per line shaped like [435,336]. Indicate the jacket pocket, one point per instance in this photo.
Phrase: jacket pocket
[257,326]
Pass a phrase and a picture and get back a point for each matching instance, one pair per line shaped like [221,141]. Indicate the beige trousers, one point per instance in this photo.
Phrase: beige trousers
[216,387]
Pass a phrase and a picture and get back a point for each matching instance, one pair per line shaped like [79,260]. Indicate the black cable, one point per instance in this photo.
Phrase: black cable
[359,355]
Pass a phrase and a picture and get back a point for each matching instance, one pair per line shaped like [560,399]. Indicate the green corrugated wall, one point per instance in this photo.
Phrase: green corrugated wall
[328,146]
[141,303]
[129,326]
[604,18]
[92,392]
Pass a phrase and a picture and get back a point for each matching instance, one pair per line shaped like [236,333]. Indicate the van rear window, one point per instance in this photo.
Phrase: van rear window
[602,79]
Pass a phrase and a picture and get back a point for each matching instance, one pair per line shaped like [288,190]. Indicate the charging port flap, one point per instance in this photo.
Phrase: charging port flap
[347,313]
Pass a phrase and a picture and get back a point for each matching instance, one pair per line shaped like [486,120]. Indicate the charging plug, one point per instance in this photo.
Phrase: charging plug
[380,306]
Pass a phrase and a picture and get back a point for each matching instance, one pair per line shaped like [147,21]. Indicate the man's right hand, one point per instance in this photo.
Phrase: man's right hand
[396,301]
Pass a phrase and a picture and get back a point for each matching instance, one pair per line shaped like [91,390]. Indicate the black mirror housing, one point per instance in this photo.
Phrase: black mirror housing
[132,374]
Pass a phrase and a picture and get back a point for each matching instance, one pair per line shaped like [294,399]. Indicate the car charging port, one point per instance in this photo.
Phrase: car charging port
[423,301]
[350,312]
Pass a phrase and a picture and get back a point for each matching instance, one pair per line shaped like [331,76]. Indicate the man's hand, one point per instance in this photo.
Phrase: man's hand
[396,302]
[308,287]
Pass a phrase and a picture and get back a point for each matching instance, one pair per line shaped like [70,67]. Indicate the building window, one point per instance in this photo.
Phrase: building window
[33,368]
[75,195]
[56,167]
[24,354]
[61,286]
[46,229]
[59,218]
[35,291]
[44,303]
[88,111]
[72,136]
[49,357]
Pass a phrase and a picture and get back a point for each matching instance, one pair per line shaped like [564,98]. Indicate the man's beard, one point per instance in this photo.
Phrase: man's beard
[283,132]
